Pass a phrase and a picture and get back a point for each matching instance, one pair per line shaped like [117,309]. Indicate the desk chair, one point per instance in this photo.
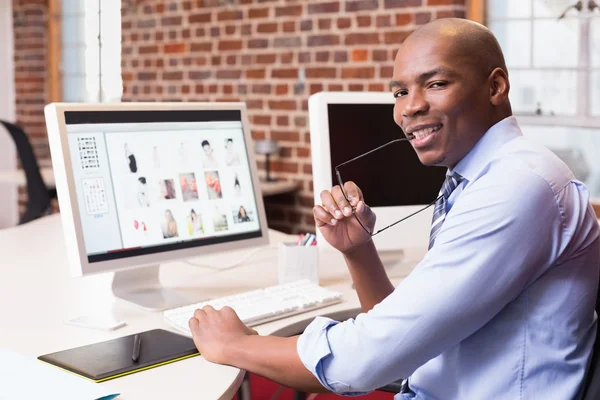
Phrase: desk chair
[38,195]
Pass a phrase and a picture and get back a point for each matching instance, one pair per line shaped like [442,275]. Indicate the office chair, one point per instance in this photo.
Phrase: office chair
[38,195]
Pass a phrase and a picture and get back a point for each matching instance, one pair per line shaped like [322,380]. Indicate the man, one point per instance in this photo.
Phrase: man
[209,161]
[502,305]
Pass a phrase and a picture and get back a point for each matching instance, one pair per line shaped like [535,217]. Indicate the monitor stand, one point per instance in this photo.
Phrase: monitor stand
[142,287]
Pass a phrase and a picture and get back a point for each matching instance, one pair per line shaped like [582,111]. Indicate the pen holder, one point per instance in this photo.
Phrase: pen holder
[298,262]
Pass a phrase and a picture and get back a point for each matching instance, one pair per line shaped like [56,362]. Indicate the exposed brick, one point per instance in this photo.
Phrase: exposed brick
[358,73]
[258,43]
[268,27]
[380,55]
[444,2]
[383,21]
[363,20]
[285,136]
[201,46]
[362,5]
[287,73]
[356,87]
[289,26]
[148,49]
[292,41]
[283,120]
[323,40]
[313,73]
[229,15]
[288,11]
[320,8]
[422,18]
[229,45]
[340,56]
[450,14]
[359,55]
[322,56]
[265,58]
[325,24]
[281,89]
[172,76]
[258,12]
[402,3]
[306,25]
[344,23]
[361,38]
[256,74]
[376,87]
[395,37]
[261,119]
[386,72]
[304,57]
[171,21]
[174,48]
[229,74]
[286,58]
[199,75]
[282,105]
[403,19]
[200,18]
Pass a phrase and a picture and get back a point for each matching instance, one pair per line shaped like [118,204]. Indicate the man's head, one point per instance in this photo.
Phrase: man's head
[451,85]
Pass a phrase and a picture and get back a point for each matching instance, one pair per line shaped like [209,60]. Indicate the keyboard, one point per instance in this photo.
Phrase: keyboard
[263,305]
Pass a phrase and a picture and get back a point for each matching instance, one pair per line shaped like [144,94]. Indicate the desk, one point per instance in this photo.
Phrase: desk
[37,294]
[17,177]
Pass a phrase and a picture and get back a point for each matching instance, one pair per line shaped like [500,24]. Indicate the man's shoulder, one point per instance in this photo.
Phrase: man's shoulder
[522,160]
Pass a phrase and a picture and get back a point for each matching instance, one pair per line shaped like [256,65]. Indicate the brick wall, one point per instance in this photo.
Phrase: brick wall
[254,51]
[30,23]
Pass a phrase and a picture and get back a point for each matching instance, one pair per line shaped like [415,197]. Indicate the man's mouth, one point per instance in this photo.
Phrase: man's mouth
[423,135]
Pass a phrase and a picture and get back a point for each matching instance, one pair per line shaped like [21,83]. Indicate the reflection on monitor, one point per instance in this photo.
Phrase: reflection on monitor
[393,180]
[141,184]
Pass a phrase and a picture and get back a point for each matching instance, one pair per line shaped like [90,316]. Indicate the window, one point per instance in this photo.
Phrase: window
[552,51]
[91,51]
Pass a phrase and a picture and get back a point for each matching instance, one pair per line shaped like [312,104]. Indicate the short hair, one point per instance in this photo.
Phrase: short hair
[205,143]
[229,140]
[142,179]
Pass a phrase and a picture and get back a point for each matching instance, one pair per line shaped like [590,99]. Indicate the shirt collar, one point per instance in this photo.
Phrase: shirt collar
[481,154]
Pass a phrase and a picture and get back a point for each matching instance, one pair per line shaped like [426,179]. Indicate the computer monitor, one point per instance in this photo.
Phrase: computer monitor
[141,184]
[393,180]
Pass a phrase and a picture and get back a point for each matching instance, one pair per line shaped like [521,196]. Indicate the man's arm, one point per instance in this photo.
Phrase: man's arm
[369,276]
[274,358]
[222,338]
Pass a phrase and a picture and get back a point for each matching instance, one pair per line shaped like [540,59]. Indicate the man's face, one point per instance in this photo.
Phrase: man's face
[442,100]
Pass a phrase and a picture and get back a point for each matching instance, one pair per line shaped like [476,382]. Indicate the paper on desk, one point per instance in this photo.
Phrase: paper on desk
[22,377]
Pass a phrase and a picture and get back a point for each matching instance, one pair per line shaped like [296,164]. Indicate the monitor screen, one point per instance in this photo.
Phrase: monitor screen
[392,176]
[155,181]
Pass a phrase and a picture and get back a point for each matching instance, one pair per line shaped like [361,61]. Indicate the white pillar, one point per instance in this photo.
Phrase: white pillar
[8,155]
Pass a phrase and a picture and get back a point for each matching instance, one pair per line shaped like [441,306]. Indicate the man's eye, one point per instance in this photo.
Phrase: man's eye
[400,93]
[437,84]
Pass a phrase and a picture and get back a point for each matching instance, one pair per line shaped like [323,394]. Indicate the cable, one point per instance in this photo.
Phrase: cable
[232,265]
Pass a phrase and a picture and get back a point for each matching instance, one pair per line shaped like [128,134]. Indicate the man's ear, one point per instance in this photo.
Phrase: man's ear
[499,86]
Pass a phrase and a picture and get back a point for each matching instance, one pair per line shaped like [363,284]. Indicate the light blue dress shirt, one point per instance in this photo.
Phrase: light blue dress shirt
[501,307]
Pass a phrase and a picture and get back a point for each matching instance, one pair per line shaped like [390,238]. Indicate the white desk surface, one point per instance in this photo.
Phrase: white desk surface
[17,177]
[37,294]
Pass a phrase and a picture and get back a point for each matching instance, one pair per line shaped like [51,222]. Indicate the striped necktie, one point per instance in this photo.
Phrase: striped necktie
[439,212]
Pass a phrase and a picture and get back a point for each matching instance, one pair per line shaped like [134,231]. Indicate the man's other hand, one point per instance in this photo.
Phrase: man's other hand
[214,330]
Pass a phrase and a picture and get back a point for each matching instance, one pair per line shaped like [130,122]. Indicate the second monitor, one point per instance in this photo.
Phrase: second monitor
[393,180]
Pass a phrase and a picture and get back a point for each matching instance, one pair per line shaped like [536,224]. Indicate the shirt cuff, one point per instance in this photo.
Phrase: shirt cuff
[313,349]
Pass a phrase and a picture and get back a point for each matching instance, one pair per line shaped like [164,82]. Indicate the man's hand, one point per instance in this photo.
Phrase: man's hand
[214,330]
[335,219]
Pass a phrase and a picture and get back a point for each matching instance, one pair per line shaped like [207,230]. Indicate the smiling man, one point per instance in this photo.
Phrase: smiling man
[502,305]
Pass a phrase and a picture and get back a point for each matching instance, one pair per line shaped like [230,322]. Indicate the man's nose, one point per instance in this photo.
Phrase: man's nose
[415,104]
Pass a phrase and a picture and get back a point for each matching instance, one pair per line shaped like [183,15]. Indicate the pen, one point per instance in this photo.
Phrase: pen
[137,343]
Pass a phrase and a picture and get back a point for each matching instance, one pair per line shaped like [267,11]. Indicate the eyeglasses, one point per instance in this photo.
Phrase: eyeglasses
[341,184]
